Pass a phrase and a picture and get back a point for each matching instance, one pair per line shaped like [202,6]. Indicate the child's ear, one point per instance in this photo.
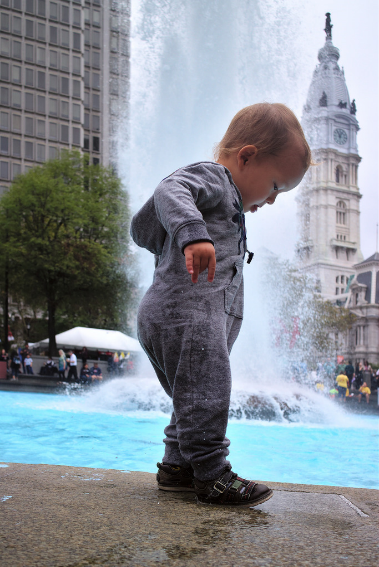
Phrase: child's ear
[246,155]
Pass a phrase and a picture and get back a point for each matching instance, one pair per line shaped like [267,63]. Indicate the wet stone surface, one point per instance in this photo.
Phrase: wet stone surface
[57,516]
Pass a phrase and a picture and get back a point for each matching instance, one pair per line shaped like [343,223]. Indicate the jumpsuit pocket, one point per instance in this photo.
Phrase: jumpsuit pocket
[233,293]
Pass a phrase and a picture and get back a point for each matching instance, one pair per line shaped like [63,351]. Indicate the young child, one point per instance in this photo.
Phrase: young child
[191,315]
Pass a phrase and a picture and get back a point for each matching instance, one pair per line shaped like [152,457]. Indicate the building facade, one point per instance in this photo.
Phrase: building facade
[64,80]
[329,199]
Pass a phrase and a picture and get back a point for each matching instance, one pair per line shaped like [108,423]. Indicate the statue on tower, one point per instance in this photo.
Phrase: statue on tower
[328,26]
[353,107]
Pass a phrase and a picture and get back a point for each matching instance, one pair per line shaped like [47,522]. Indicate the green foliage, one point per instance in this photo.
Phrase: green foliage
[64,230]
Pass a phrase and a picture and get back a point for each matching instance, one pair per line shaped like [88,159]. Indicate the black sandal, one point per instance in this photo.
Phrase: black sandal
[174,478]
[231,490]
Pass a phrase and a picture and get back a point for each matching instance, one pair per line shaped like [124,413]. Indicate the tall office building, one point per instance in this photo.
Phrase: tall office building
[64,80]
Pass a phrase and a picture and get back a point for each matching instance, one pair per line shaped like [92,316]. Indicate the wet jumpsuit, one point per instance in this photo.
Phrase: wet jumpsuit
[187,330]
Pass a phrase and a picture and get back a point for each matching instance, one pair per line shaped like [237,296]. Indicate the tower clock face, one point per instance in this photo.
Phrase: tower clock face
[340,136]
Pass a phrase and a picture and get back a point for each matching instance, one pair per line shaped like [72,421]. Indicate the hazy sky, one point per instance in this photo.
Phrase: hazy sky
[196,62]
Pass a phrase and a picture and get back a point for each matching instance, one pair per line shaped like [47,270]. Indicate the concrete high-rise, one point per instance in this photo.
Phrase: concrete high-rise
[64,80]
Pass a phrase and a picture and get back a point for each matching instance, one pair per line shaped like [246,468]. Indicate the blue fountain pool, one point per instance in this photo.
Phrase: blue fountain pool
[60,430]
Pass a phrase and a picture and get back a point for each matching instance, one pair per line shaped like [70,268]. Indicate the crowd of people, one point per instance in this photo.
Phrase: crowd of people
[20,361]
[347,381]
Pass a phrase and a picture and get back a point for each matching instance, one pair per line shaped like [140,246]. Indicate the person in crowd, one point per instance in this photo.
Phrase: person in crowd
[95,372]
[349,371]
[320,387]
[28,364]
[332,393]
[4,357]
[24,352]
[62,365]
[49,368]
[365,390]
[85,375]
[16,365]
[84,356]
[73,367]
[358,375]
[342,384]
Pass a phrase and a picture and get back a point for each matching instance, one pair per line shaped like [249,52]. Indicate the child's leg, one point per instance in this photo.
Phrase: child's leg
[193,357]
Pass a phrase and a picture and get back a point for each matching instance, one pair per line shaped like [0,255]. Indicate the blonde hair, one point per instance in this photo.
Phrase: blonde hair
[268,126]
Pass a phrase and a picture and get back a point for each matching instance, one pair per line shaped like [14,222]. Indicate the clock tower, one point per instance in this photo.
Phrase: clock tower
[328,202]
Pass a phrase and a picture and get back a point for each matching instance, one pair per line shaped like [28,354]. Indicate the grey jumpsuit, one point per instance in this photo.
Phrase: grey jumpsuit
[187,330]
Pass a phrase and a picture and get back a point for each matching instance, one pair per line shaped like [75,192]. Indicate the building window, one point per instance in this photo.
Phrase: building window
[86,120]
[65,14]
[86,15]
[87,36]
[86,57]
[86,143]
[341,213]
[4,72]
[95,101]
[96,59]
[17,5]
[77,41]
[64,109]
[53,80]
[95,161]
[53,152]
[64,85]
[53,11]
[16,147]
[65,38]
[95,122]
[86,79]
[65,62]
[53,34]
[76,112]
[29,52]
[16,123]
[41,128]
[4,170]
[16,170]
[53,59]
[77,17]
[41,32]
[16,49]
[114,42]
[4,96]
[29,150]
[41,80]
[337,279]
[96,18]
[4,145]
[95,80]
[64,133]
[76,136]
[29,77]
[29,126]
[16,25]
[16,74]
[29,28]
[41,104]
[76,65]
[5,46]
[4,120]
[114,65]
[4,22]
[114,86]
[114,23]
[29,101]
[42,8]
[95,38]
[40,152]
[337,290]
[76,88]
[53,131]
[53,107]
[96,143]
[86,100]
[41,55]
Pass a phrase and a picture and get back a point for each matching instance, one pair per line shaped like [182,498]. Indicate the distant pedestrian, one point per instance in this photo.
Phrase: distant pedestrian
[343,382]
[349,371]
[28,362]
[73,370]
[16,366]
[95,372]
[364,389]
[62,365]
[85,375]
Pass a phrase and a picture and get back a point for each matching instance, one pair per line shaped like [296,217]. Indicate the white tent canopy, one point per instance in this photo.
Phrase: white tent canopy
[94,339]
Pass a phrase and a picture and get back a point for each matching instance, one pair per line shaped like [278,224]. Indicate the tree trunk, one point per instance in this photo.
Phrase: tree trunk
[6,306]
[51,307]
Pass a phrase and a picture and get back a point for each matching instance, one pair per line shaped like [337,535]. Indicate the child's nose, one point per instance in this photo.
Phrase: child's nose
[271,200]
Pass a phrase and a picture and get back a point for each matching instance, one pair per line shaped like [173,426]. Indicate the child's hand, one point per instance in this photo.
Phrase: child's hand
[199,257]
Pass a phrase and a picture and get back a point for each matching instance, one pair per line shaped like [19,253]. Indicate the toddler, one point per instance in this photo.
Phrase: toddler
[191,315]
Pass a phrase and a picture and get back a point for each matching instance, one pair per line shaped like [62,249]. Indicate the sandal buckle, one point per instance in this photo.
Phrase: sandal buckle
[218,484]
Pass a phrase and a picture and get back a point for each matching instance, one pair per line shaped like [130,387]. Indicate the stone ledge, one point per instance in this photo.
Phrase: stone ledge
[59,516]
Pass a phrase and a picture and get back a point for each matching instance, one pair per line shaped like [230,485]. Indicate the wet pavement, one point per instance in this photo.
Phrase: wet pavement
[57,516]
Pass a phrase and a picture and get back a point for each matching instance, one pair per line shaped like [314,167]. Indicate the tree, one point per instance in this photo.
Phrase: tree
[64,232]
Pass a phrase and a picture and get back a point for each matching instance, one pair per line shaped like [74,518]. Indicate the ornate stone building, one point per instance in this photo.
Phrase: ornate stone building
[328,206]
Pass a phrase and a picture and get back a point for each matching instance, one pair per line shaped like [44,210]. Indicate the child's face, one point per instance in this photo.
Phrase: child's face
[260,180]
